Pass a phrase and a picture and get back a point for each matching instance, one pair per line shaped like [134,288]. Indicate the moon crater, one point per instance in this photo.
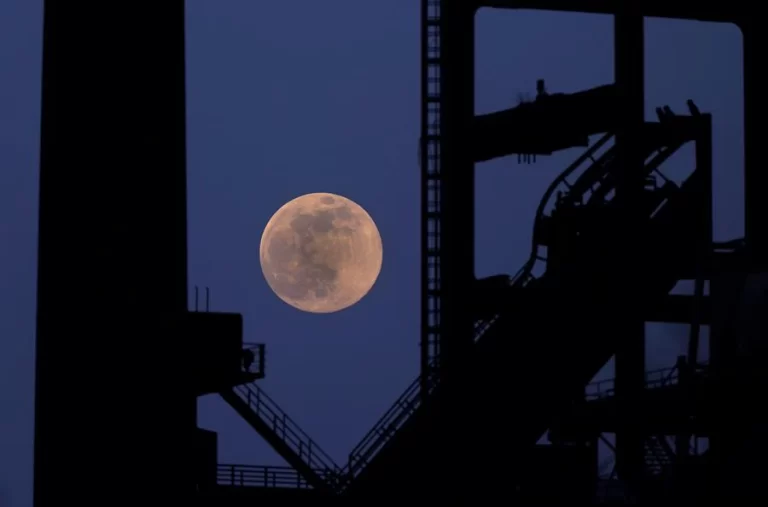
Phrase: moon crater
[321,253]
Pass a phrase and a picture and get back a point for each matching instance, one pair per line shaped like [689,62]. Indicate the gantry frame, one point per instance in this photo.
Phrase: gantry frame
[448,169]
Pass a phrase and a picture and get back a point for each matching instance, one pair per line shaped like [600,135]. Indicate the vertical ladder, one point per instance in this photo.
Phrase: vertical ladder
[431,189]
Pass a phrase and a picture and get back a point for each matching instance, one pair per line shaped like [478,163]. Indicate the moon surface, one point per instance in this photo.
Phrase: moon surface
[321,253]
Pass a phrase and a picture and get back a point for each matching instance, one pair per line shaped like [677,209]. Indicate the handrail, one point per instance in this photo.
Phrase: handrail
[410,400]
[528,266]
[523,275]
[259,476]
[290,432]
[389,423]
[397,414]
[394,418]
[654,379]
[604,160]
[651,166]
[303,445]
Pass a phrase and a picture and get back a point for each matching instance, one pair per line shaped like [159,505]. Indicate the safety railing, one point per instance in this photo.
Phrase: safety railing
[597,181]
[286,429]
[397,415]
[525,273]
[262,476]
[388,424]
[311,453]
[654,379]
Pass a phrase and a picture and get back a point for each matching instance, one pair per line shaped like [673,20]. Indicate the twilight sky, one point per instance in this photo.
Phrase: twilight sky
[268,121]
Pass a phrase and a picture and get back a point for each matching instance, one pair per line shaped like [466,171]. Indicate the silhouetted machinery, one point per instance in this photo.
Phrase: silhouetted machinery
[560,316]
[612,236]
[548,124]
[560,323]
[220,359]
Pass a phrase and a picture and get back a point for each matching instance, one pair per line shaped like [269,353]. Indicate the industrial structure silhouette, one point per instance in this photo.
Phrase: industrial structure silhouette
[504,360]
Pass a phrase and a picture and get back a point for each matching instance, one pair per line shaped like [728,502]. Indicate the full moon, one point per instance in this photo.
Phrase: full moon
[321,253]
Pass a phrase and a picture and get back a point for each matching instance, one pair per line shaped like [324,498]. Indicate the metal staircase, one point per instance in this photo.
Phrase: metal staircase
[398,414]
[284,435]
[590,190]
[594,186]
[313,467]
[659,456]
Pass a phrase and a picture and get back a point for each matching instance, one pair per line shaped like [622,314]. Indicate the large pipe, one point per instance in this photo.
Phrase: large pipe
[112,254]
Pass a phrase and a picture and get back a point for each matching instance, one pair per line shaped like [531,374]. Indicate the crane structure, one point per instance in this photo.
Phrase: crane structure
[500,366]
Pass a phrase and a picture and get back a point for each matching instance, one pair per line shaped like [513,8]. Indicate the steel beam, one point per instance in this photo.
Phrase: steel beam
[725,12]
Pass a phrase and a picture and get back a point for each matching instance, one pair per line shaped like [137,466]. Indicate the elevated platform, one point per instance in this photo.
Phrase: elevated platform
[270,421]
[669,407]
[215,352]
[247,485]
[560,327]
[257,476]
[672,308]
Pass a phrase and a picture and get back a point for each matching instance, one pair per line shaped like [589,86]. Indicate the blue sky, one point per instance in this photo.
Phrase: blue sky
[286,98]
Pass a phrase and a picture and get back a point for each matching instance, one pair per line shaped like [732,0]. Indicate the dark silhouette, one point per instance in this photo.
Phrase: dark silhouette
[504,360]
[694,110]
[248,359]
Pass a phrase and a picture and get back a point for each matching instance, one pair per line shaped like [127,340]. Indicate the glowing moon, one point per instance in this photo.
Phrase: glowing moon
[321,253]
